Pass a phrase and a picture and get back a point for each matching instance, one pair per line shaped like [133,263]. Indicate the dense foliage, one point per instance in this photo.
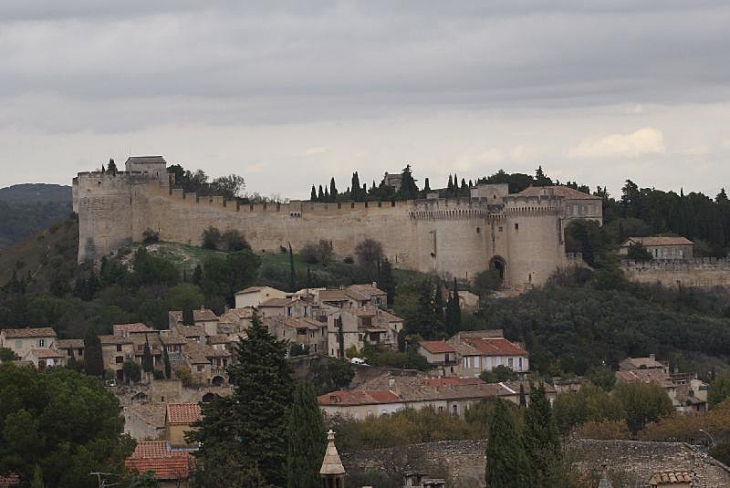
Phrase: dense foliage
[61,424]
[508,465]
[249,429]
[25,209]
[307,440]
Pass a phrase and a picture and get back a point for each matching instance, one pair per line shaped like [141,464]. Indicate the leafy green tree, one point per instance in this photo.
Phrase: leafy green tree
[602,376]
[498,374]
[211,238]
[386,281]
[307,439]
[719,389]
[637,252]
[132,371]
[144,480]
[643,403]
[591,403]
[6,354]
[408,189]
[37,481]
[507,463]
[58,424]
[369,253]
[232,240]
[112,167]
[93,358]
[330,374]
[251,425]
[542,441]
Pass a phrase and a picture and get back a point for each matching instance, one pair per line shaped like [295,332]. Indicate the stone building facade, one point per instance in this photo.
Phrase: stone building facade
[521,235]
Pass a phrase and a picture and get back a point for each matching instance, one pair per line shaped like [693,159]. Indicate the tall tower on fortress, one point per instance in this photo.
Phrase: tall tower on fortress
[521,234]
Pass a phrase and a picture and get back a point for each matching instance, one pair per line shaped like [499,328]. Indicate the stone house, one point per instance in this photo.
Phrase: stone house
[361,326]
[254,296]
[687,393]
[576,204]
[145,421]
[170,466]
[285,307]
[475,352]
[207,364]
[178,420]
[661,247]
[71,348]
[45,358]
[204,317]
[128,330]
[116,349]
[235,320]
[21,341]
[305,332]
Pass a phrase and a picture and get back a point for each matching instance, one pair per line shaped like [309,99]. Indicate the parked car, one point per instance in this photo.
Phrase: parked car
[358,361]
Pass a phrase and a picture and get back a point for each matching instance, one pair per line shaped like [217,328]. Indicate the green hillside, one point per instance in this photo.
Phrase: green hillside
[27,208]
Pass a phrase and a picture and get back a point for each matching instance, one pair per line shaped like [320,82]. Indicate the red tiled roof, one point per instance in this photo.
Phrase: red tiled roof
[182,413]
[670,478]
[156,456]
[452,381]
[368,397]
[658,241]
[437,347]
[70,343]
[9,481]
[495,347]
[29,332]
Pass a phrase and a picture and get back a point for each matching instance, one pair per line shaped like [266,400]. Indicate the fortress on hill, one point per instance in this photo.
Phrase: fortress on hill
[520,234]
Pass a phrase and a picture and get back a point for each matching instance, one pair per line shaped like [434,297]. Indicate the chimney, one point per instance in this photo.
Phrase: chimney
[332,472]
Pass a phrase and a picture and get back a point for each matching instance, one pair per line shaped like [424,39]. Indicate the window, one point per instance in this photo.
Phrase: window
[501,228]
[41,343]
[455,409]
[478,230]
[511,363]
[367,321]
[119,348]
[517,226]
[119,359]
[441,409]
[201,367]
[519,361]
[18,343]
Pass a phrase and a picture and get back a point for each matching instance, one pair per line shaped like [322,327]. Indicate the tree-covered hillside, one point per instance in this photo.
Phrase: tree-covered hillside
[27,208]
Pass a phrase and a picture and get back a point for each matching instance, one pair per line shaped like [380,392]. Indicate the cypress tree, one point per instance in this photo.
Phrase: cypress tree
[112,167]
[292,272]
[320,194]
[313,195]
[450,186]
[542,441]
[147,362]
[456,308]
[523,399]
[307,439]
[507,462]
[356,188]
[263,396]
[197,275]
[166,358]
[426,185]
[386,281]
[93,359]
[333,190]
[187,316]
[438,302]
[326,195]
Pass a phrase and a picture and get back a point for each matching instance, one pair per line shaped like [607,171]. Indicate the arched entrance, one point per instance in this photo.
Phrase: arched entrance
[499,264]
[218,381]
[208,397]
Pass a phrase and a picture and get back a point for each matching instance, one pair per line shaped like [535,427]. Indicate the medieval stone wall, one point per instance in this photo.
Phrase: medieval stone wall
[697,272]
[457,237]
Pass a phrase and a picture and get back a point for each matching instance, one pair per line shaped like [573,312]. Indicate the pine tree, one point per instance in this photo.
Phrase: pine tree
[307,439]
[507,462]
[93,358]
[147,362]
[112,167]
[408,188]
[542,441]
[313,195]
[263,395]
[326,195]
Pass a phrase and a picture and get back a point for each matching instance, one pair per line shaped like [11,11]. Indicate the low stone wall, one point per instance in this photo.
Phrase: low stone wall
[698,272]
[462,463]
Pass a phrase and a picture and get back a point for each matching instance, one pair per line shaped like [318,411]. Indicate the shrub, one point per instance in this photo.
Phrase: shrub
[234,241]
[149,236]
[498,374]
[132,371]
[211,238]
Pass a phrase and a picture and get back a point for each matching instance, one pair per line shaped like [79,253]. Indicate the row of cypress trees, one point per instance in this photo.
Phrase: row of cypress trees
[530,458]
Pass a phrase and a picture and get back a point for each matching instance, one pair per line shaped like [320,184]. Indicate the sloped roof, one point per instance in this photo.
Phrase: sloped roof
[156,456]
[151,414]
[640,363]
[367,289]
[670,478]
[277,302]
[46,353]
[437,347]
[331,464]
[138,327]
[70,343]
[355,397]
[29,332]
[114,339]
[182,413]
[658,241]
[204,315]
[559,191]
[146,159]
[656,376]
[495,347]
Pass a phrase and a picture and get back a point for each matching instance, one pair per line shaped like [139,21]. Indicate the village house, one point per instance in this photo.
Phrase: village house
[179,418]
[171,467]
[360,326]
[390,393]
[285,307]
[440,354]
[254,296]
[203,317]
[687,393]
[45,358]
[309,334]
[115,349]
[207,364]
[235,320]
[145,421]
[129,330]
[71,348]
[661,247]
[22,341]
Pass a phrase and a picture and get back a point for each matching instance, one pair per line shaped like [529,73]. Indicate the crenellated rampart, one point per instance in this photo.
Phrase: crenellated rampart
[697,272]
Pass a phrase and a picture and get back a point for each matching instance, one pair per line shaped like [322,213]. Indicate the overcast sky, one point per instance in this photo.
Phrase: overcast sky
[288,94]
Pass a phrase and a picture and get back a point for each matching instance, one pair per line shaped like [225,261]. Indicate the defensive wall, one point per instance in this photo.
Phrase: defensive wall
[462,463]
[452,237]
[697,272]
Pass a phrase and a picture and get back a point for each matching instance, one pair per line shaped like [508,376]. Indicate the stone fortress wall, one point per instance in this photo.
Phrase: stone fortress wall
[697,272]
[523,235]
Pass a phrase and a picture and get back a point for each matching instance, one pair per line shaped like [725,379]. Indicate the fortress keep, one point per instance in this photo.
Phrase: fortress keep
[521,234]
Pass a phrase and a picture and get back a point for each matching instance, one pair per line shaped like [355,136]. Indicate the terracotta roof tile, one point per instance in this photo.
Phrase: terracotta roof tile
[495,347]
[9,481]
[70,343]
[355,397]
[670,477]
[182,413]
[114,339]
[204,315]
[120,329]
[437,347]
[46,353]
[658,241]
[560,191]
[29,332]
[156,456]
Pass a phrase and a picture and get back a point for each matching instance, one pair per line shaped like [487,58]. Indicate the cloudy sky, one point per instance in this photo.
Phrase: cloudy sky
[288,94]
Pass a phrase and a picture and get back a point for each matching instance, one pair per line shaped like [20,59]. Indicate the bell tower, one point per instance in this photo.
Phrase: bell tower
[332,471]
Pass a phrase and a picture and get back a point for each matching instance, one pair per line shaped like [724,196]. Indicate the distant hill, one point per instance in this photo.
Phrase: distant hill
[30,207]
